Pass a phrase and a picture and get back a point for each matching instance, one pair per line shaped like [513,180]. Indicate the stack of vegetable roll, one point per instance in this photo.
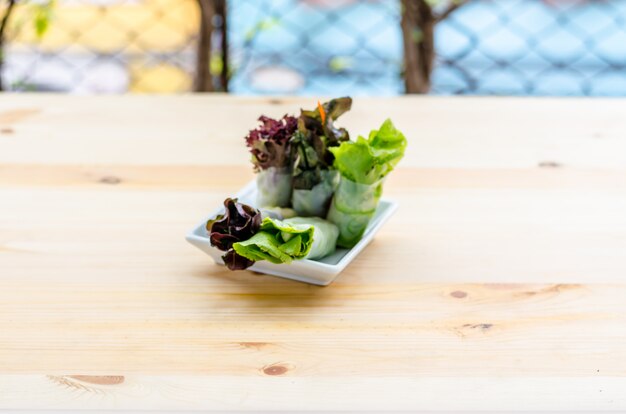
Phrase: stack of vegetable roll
[316,189]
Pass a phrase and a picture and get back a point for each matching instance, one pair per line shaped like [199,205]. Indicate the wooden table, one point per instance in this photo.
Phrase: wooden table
[499,284]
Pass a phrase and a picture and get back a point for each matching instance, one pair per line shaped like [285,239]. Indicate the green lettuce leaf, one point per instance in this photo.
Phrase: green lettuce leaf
[367,161]
[277,241]
[324,236]
[281,241]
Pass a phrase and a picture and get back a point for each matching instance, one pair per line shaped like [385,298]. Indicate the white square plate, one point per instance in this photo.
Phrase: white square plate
[317,272]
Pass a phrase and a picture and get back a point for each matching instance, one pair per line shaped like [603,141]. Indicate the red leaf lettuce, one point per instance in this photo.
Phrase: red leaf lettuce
[239,223]
[269,143]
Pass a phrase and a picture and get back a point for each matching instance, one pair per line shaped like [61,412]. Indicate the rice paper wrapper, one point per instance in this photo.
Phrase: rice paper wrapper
[279,213]
[273,187]
[315,202]
[325,236]
[352,208]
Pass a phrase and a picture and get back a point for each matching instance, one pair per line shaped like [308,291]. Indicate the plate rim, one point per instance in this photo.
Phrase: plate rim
[392,207]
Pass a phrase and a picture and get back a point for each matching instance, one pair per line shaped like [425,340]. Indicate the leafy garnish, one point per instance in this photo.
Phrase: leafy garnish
[366,161]
[239,222]
[320,108]
[269,143]
[316,134]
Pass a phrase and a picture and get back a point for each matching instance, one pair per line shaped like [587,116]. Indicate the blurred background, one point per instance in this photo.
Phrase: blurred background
[315,47]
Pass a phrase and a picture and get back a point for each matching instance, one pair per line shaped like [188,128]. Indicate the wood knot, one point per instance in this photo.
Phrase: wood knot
[275,369]
[110,179]
[481,326]
[551,289]
[549,164]
[470,329]
[86,383]
[459,294]
[254,345]
[7,131]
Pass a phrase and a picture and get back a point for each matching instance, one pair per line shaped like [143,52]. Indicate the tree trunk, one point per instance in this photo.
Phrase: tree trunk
[204,80]
[418,34]
[3,28]
[1,62]
[221,10]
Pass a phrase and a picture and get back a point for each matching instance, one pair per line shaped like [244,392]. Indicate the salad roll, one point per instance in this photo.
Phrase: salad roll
[273,187]
[246,237]
[363,165]
[315,202]
[314,179]
[271,155]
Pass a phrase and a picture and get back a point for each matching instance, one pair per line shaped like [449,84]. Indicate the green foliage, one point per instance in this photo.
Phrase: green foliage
[340,63]
[41,16]
[38,13]
[261,26]
[23,86]
[216,64]
[417,35]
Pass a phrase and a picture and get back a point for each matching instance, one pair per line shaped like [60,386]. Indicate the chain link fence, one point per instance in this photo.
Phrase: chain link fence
[316,47]
[531,47]
[324,47]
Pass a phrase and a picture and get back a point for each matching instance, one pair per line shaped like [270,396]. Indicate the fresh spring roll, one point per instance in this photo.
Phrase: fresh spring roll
[314,179]
[271,155]
[352,208]
[273,187]
[281,241]
[363,165]
[315,202]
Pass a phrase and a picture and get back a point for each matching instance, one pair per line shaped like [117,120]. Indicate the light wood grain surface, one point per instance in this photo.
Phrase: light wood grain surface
[499,284]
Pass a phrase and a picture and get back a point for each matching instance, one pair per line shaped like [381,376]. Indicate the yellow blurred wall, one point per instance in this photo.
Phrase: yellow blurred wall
[131,27]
